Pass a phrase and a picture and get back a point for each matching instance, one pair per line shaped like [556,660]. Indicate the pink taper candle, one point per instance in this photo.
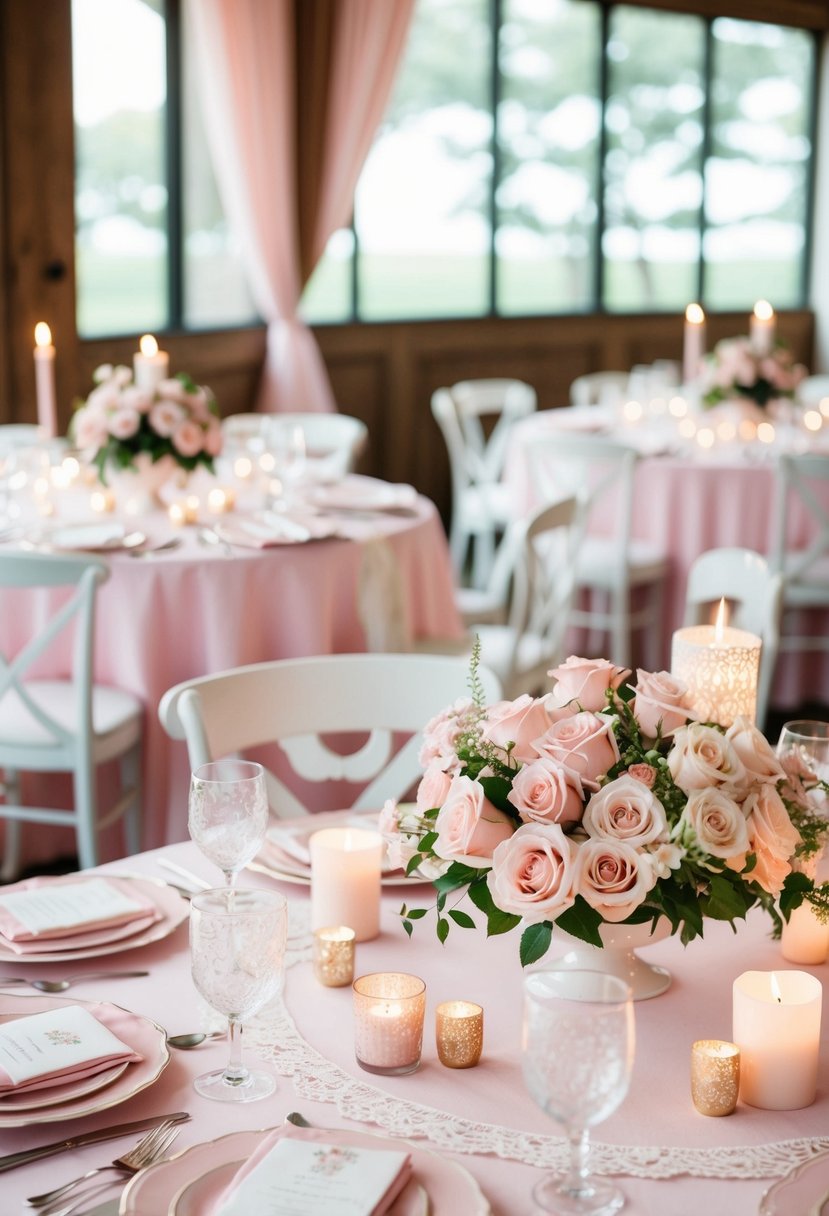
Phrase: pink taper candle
[47,410]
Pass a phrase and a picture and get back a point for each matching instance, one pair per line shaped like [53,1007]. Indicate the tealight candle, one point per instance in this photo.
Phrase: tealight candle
[177,514]
[47,410]
[715,1076]
[102,501]
[693,347]
[333,955]
[345,880]
[388,1022]
[150,365]
[220,499]
[805,939]
[720,667]
[776,1025]
[459,1033]
[762,328]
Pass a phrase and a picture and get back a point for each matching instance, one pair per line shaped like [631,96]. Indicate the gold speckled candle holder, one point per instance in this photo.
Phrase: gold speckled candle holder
[333,955]
[459,1031]
[715,1076]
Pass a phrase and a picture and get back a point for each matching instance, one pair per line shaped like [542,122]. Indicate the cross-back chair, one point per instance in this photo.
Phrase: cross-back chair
[801,486]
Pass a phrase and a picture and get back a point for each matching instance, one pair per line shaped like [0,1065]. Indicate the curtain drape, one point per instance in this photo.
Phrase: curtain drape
[292,92]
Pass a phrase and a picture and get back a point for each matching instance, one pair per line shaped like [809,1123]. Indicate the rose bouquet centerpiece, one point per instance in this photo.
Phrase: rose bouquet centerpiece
[603,802]
[735,369]
[123,426]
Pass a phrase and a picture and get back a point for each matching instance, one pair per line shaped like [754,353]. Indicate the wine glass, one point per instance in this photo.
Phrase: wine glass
[228,813]
[803,749]
[237,946]
[577,1056]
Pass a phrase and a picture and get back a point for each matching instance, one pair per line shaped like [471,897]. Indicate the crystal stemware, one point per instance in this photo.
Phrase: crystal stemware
[577,1055]
[237,945]
[228,813]
[803,748]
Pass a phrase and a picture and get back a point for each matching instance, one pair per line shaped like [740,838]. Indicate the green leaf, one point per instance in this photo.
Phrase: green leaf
[427,841]
[727,901]
[581,921]
[442,929]
[497,922]
[417,913]
[535,941]
[462,918]
[496,790]
[407,925]
[795,887]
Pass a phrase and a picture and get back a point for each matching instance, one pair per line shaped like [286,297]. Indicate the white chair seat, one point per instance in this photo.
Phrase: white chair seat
[484,505]
[116,717]
[596,559]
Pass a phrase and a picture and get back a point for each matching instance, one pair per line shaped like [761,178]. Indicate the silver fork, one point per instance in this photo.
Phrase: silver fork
[148,1149]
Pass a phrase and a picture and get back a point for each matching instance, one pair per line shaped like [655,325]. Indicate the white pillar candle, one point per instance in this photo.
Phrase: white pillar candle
[693,347]
[805,939]
[47,410]
[776,1025]
[763,327]
[345,880]
[149,364]
[720,667]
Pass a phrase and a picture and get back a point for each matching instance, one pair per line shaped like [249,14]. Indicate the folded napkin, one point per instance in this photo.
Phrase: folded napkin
[36,914]
[306,1172]
[60,1045]
[275,528]
[358,493]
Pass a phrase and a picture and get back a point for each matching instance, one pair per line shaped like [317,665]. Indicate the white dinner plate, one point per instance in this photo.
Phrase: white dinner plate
[145,1037]
[173,909]
[804,1191]
[176,1186]
[88,538]
[57,1094]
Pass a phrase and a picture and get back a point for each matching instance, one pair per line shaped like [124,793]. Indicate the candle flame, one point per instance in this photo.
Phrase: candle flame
[43,334]
[721,621]
[694,314]
[775,989]
[148,346]
[763,311]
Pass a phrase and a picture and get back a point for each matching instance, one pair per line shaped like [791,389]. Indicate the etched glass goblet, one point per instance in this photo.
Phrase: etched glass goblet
[228,813]
[803,750]
[577,1055]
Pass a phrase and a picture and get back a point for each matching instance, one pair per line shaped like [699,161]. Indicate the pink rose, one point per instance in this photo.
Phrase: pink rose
[188,438]
[586,681]
[625,809]
[772,836]
[754,750]
[441,734]
[702,757]
[518,722]
[645,773]
[164,418]
[613,877]
[532,873]
[89,429]
[660,704]
[719,824]
[584,742]
[547,792]
[433,788]
[124,423]
[213,442]
[468,825]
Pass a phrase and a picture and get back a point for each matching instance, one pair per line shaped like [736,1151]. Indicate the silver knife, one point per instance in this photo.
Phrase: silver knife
[104,1133]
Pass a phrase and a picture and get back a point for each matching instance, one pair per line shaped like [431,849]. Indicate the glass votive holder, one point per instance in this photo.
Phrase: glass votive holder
[333,955]
[715,1076]
[459,1033]
[388,1022]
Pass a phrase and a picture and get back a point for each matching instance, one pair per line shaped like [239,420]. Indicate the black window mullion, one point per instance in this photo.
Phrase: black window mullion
[601,152]
[495,17]
[173,159]
[705,151]
[809,219]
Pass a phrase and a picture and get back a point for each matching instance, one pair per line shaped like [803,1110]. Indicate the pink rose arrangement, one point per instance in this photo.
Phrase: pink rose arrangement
[735,369]
[604,801]
[119,420]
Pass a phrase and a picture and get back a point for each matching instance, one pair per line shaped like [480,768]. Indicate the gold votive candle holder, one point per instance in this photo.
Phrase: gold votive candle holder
[459,1033]
[333,955]
[715,1076]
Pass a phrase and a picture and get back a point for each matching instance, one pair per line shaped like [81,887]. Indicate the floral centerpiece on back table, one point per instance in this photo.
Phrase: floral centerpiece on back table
[735,369]
[603,802]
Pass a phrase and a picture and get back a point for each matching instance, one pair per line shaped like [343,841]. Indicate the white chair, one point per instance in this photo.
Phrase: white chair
[296,701]
[475,417]
[599,388]
[332,443]
[754,594]
[801,486]
[63,725]
[812,390]
[21,435]
[610,562]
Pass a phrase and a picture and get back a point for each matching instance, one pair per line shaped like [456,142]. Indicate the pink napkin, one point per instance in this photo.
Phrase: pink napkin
[18,937]
[57,1046]
[326,1139]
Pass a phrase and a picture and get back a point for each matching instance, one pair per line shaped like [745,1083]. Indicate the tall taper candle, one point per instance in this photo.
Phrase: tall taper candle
[47,410]
[693,344]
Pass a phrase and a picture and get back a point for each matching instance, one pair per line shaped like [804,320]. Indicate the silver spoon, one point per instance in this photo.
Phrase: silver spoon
[149,551]
[185,1042]
[62,985]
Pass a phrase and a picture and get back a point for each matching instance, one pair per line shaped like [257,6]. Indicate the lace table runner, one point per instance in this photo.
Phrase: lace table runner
[276,1037]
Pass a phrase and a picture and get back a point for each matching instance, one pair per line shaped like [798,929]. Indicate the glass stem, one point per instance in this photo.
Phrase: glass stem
[235,1072]
[577,1175]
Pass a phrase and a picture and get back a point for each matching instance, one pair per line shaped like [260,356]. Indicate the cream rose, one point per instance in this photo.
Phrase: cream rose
[719,825]
[586,681]
[532,873]
[518,722]
[625,809]
[440,736]
[468,824]
[613,877]
[660,703]
[754,750]
[433,788]
[702,757]
[584,742]
[547,792]
[772,836]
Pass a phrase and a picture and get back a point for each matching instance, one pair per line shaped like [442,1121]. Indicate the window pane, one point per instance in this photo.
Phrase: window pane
[120,191]
[548,137]
[215,289]
[327,294]
[757,177]
[421,208]
[653,182]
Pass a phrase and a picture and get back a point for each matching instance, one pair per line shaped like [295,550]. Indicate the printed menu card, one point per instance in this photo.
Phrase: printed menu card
[60,1045]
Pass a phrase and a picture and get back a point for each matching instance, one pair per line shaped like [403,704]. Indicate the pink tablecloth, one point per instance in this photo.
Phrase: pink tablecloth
[197,610]
[684,506]
[446,1104]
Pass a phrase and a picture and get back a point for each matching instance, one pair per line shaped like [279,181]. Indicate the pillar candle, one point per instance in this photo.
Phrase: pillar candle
[345,880]
[720,666]
[47,412]
[805,939]
[150,365]
[776,1025]
[763,327]
[693,347]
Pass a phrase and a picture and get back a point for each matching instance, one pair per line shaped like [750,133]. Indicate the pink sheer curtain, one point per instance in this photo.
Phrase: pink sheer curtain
[247,53]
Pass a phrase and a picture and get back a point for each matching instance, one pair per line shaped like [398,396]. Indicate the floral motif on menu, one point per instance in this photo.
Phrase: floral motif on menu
[63,1038]
[332,1159]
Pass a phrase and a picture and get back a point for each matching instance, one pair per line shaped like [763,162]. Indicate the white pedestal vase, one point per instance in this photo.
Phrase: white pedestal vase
[618,957]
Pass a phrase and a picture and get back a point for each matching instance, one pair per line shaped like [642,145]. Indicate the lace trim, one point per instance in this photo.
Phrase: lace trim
[275,1036]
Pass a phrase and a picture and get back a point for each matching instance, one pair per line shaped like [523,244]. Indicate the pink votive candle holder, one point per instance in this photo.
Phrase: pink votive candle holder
[389,1008]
